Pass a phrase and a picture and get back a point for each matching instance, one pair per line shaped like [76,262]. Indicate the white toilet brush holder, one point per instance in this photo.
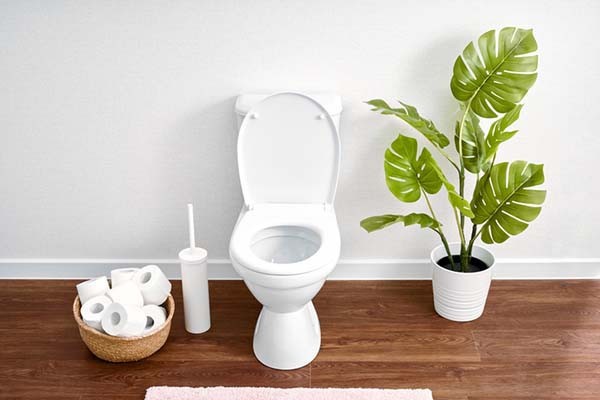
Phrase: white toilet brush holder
[194,280]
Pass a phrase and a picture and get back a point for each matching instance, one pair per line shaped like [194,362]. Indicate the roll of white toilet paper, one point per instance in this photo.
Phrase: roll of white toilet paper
[121,275]
[92,288]
[123,320]
[128,293]
[154,285]
[155,317]
[93,310]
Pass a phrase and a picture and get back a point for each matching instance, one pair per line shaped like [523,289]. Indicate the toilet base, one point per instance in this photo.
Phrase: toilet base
[287,340]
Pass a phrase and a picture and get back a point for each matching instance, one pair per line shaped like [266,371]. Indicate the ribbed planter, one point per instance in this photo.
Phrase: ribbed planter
[461,296]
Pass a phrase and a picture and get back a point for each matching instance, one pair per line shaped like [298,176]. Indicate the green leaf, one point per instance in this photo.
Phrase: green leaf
[473,143]
[498,132]
[410,115]
[382,221]
[454,198]
[506,204]
[405,174]
[496,75]
[460,203]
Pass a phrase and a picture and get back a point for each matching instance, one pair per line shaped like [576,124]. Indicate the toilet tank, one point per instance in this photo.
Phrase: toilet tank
[330,102]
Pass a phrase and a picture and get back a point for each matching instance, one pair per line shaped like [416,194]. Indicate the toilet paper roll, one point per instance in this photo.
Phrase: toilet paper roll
[92,288]
[123,320]
[122,275]
[93,310]
[155,317]
[127,293]
[154,285]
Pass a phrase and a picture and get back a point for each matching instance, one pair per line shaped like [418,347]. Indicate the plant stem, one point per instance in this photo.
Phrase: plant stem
[474,237]
[447,157]
[439,230]
[464,257]
[464,260]
[461,234]
[447,247]
[429,206]
[472,241]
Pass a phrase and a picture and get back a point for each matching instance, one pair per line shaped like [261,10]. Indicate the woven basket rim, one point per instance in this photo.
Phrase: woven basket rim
[82,325]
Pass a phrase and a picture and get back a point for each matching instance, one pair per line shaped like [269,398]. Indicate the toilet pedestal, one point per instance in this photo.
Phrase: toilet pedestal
[287,340]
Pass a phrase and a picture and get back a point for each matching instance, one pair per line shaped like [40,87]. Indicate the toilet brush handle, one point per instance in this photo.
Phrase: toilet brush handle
[191,226]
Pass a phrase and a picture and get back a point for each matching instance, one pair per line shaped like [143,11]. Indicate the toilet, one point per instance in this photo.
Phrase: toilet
[286,240]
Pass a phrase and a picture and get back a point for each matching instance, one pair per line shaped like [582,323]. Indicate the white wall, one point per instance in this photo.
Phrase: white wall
[114,115]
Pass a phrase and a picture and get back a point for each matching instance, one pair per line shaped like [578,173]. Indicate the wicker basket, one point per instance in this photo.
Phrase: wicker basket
[118,349]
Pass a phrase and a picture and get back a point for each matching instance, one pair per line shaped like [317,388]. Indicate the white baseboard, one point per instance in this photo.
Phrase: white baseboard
[352,269]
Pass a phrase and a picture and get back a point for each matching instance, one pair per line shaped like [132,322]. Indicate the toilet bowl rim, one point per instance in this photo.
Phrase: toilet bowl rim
[328,251]
[257,277]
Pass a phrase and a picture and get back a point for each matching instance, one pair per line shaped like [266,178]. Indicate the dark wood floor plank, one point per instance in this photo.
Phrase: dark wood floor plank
[397,344]
[542,305]
[511,304]
[92,378]
[549,345]
[467,380]
[536,340]
[379,305]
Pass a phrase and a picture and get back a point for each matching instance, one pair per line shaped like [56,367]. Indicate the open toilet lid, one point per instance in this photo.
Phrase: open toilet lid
[288,151]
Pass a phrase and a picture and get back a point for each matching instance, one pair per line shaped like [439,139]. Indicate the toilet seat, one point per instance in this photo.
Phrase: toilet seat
[288,152]
[317,218]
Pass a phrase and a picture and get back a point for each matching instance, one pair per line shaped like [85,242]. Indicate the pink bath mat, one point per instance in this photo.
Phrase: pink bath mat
[260,393]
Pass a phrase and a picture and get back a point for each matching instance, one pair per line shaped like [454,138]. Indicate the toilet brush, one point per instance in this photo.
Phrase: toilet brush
[196,306]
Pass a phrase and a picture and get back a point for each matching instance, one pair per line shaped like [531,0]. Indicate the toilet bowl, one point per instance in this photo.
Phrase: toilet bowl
[286,240]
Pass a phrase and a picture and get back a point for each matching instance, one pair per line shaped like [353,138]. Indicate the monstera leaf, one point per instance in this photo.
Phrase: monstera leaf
[410,115]
[381,221]
[499,133]
[506,203]
[473,143]
[405,174]
[496,75]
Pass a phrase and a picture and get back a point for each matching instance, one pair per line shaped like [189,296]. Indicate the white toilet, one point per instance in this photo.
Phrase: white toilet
[286,240]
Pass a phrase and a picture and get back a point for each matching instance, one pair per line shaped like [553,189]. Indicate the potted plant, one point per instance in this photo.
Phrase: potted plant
[490,79]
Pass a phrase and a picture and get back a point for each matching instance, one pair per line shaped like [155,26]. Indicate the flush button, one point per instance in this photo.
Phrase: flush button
[254,116]
[321,116]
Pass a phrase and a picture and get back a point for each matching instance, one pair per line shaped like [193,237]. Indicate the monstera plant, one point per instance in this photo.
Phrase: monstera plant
[490,79]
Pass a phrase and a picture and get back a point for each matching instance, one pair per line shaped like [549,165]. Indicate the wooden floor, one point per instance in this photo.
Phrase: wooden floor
[536,340]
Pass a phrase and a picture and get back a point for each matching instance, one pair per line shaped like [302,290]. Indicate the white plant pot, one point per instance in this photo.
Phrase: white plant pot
[461,296]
